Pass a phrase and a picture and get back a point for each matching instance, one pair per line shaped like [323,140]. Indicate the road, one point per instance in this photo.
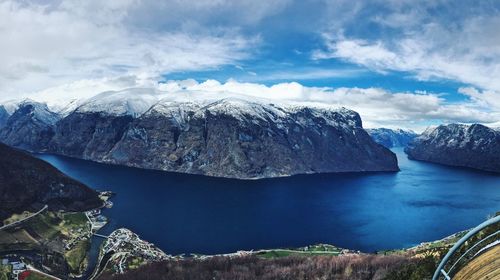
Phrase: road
[22,220]
[484,266]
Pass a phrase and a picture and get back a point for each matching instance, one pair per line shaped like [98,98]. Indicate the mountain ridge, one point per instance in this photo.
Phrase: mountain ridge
[28,183]
[228,137]
[390,138]
[474,146]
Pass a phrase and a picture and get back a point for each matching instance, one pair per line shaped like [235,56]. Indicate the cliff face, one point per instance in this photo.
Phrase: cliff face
[226,138]
[4,115]
[88,135]
[29,127]
[233,138]
[390,138]
[475,146]
[28,183]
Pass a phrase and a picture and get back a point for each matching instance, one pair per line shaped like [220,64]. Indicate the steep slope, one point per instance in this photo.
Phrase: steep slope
[27,183]
[390,138]
[88,135]
[234,138]
[29,127]
[242,139]
[474,146]
[4,115]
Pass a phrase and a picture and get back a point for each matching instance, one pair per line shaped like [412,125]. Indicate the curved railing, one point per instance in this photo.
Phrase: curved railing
[440,271]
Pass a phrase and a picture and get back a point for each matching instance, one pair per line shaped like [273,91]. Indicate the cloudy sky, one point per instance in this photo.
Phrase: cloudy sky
[398,63]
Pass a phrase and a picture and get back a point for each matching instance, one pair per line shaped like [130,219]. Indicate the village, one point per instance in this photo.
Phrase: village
[124,250]
[58,246]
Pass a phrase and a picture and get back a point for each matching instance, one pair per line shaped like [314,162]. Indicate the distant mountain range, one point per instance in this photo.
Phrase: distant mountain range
[229,137]
[28,183]
[391,138]
[475,146]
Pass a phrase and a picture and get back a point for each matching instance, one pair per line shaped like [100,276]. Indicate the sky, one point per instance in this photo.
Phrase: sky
[407,64]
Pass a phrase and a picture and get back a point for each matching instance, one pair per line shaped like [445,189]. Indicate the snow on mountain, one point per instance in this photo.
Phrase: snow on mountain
[40,111]
[242,109]
[476,146]
[132,102]
[205,133]
[392,137]
[251,108]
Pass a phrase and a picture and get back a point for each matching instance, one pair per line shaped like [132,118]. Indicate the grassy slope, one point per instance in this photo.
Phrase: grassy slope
[53,230]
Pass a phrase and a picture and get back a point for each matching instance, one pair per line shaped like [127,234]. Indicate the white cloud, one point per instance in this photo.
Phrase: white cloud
[462,43]
[49,45]
[487,99]
[59,51]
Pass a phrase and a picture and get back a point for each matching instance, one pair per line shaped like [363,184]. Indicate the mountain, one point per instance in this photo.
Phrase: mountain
[475,146]
[229,137]
[242,139]
[4,115]
[390,138]
[29,127]
[28,183]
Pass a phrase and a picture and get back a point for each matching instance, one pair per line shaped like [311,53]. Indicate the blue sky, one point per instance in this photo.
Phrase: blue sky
[398,63]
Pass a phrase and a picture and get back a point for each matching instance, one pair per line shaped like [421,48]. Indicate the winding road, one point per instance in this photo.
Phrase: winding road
[24,219]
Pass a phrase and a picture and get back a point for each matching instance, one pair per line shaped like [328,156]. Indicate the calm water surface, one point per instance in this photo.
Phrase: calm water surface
[194,214]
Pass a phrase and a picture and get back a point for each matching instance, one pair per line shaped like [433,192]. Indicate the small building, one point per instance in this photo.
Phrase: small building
[18,266]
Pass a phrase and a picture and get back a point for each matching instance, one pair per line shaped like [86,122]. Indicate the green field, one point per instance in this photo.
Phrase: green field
[135,262]
[76,257]
[75,219]
[314,250]
[4,272]
[45,225]
[37,276]
[51,231]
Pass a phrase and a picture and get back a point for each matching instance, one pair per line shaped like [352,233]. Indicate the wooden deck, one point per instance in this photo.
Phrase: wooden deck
[484,267]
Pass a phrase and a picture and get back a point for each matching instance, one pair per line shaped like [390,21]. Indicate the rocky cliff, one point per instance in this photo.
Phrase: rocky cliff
[30,127]
[390,138]
[240,139]
[226,138]
[475,146]
[28,183]
[4,115]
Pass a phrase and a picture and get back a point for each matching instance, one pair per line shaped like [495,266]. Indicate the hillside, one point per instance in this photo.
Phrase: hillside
[28,183]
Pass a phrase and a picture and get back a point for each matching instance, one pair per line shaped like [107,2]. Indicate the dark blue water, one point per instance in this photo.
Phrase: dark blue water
[194,214]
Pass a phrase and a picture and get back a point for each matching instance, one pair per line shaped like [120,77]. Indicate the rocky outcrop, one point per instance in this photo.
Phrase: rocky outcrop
[391,138]
[475,146]
[225,138]
[28,183]
[30,127]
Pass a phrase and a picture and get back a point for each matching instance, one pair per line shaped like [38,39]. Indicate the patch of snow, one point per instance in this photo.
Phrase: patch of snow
[41,112]
[133,102]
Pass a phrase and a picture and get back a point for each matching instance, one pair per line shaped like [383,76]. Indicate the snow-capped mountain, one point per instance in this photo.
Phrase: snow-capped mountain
[229,137]
[390,138]
[31,126]
[475,146]
[133,102]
